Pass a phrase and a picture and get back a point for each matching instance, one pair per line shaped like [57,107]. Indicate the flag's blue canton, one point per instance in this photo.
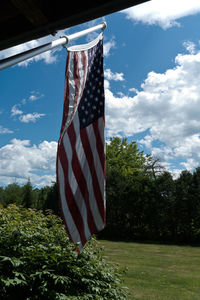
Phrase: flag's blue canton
[91,106]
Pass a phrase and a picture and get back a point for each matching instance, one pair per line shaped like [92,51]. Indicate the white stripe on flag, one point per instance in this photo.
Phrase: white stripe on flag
[71,87]
[82,72]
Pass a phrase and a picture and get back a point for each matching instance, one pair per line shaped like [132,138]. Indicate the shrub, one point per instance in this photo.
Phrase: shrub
[37,261]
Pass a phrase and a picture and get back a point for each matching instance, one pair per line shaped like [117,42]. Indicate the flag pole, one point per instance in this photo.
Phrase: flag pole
[15,59]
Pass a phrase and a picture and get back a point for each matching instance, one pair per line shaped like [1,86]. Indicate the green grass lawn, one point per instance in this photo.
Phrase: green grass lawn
[157,271]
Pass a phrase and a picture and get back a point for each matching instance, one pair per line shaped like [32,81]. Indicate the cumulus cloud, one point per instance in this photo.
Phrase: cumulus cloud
[167,107]
[108,74]
[190,47]
[164,13]
[20,160]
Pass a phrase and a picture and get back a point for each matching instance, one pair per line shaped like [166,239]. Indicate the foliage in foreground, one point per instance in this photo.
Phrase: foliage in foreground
[37,261]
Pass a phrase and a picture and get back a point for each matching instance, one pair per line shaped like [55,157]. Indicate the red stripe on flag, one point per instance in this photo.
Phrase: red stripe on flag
[91,163]
[81,178]
[99,145]
[70,197]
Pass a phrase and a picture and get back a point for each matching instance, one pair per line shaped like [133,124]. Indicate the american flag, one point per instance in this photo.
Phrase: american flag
[81,151]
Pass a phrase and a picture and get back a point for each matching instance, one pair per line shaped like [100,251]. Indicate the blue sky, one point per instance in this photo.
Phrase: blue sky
[152,75]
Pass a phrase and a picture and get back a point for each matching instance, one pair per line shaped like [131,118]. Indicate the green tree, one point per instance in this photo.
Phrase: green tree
[125,166]
[28,195]
[195,207]
[12,194]
[153,167]
[165,219]
[42,197]
[1,195]
[184,205]
[52,199]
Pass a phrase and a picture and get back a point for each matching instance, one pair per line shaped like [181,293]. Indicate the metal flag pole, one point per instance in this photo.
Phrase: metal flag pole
[15,59]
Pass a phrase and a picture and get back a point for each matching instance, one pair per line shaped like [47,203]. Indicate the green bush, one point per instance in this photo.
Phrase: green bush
[37,261]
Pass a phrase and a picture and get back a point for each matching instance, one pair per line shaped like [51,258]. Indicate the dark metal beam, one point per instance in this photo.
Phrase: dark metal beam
[25,20]
[31,10]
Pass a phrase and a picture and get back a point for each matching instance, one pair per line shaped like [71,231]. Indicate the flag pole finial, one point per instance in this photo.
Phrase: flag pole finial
[104,25]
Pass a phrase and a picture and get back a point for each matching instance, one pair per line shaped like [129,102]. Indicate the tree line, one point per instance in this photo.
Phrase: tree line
[144,201]
[29,197]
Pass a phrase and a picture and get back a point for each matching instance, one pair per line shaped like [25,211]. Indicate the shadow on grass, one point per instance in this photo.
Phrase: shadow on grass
[148,242]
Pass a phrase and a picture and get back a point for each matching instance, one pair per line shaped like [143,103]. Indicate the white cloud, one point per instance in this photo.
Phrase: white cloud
[16,111]
[133,90]
[35,95]
[113,76]
[164,13]
[4,130]
[20,160]
[147,141]
[109,75]
[108,46]
[190,47]
[119,116]
[32,98]
[167,107]
[106,84]
[30,117]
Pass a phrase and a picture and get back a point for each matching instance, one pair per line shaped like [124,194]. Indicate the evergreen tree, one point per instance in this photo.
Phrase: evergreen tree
[52,199]
[183,205]
[1,195]
[28,197]
[195,207]
[165,207]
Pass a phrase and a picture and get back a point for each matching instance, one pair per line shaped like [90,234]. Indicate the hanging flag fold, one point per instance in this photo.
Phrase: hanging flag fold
[81,151]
